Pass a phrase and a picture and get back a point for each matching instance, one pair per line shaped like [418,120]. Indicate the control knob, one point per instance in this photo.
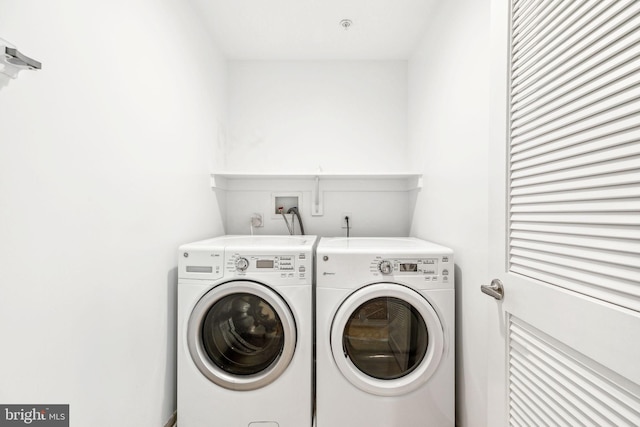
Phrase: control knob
[242,264]
[385,267]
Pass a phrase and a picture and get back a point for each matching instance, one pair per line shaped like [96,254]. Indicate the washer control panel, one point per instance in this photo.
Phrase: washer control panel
[285,266]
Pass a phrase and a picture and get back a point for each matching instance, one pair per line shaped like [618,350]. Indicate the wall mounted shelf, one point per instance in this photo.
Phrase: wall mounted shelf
[316,183]
[237,181]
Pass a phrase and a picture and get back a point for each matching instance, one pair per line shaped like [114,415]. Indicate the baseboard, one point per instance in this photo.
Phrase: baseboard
[172,420]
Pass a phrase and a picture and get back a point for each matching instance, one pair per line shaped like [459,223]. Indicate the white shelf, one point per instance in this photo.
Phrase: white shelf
[238,181]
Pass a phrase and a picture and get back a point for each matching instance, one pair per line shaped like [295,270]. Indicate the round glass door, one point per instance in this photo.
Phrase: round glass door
[241,335]
[387,339]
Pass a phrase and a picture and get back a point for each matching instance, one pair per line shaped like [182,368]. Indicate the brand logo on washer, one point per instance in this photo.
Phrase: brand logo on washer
[328,274]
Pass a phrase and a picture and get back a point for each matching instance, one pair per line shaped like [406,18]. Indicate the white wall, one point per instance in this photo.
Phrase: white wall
[297,116]
[448,134]
[307,116]
[371,213]
[104,162]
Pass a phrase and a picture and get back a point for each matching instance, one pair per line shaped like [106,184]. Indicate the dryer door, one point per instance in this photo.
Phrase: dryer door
[387,339]
[241,335]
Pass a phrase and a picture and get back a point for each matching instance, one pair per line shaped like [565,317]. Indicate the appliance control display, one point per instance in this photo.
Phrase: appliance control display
[264,263]
[405,266]
[199,269]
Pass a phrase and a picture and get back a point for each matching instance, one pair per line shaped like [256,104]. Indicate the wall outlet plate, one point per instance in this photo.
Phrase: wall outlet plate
[257,220]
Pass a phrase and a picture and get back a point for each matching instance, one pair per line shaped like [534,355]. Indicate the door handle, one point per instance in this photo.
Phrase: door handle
[495,289]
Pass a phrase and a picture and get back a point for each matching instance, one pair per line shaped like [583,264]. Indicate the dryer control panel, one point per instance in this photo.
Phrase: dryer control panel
[346,263]
[430,268]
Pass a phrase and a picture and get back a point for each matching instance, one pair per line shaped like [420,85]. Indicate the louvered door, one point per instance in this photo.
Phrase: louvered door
[575,146]
[565,230]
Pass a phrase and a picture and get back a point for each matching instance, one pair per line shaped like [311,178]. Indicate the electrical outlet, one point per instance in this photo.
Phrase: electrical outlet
[256,220]
[344,221]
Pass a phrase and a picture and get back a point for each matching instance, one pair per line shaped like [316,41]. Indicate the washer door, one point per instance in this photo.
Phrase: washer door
[387,339]
[241,335]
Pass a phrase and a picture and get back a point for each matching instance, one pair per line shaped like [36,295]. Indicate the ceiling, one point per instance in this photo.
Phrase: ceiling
[310,29]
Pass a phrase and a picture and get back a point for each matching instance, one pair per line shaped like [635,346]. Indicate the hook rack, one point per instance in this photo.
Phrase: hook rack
[12,61]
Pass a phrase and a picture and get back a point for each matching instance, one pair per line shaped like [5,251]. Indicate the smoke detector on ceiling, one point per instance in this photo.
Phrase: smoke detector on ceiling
[346,23]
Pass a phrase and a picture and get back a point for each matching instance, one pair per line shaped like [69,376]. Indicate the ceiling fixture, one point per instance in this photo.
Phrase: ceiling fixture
[346,23]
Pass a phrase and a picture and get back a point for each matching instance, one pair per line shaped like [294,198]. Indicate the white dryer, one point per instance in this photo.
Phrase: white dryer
[384,333]
[245,332]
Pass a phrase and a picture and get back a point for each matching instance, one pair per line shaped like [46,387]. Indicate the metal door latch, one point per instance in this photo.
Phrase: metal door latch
[495,289]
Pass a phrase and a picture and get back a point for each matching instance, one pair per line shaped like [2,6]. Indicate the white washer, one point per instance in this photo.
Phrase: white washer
[384,333]
[245,332]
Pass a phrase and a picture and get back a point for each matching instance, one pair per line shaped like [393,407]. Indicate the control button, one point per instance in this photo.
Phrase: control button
[385,267]
[301,269]
[242,264]
[445,272]
[445,259]
[302,256]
